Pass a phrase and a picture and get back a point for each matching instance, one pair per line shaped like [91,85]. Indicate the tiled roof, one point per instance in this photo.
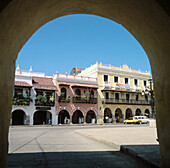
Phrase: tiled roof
[45,88]
[21,83]
[85,85]
[42,81]
[79,69]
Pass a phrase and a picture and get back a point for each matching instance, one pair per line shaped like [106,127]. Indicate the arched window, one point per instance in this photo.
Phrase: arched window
[78,92]
[63,92]
[91,94]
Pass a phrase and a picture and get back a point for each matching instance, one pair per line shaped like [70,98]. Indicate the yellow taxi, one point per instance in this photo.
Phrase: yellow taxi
[132,120]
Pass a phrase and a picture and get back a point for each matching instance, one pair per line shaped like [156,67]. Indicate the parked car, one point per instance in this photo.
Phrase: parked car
[132,120]
[143,119]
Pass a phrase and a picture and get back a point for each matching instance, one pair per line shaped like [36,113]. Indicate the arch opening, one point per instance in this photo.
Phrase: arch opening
[118,115]
[128,113]
[18,117]
[91,117]
[42,117]
[138,112]
[77,117]
[147,113]
[107,115]
[64,117]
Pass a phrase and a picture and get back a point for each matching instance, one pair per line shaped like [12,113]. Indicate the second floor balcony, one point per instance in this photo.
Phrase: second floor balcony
[21,101]
[124,101]
[80,99]
[44,101]
[64,99]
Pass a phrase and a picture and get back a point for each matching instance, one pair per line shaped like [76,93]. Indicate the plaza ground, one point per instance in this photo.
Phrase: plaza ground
[83,146]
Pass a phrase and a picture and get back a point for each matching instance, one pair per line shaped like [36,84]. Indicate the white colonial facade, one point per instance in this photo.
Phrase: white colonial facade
[28,107]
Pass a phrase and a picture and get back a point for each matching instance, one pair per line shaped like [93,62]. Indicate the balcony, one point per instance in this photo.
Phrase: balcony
[21,101]
[137,88]
[122,86]
[84,100]
[64,99]
[107,84]
[124,101]
[44,101]
[48,103]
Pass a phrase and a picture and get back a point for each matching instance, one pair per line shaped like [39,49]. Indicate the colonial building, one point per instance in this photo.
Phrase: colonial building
[61,99]
[119,91]
[33,99]
[76,100]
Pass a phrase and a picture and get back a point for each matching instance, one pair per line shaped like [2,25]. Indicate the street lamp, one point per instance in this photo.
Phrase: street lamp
[149,91]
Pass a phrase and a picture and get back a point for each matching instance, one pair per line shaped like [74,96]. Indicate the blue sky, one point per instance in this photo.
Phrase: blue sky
[79,41]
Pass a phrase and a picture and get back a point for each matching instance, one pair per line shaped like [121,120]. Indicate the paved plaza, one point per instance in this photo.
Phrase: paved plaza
[79,146]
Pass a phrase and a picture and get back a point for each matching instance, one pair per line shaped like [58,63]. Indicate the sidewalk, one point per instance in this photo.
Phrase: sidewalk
[139,142]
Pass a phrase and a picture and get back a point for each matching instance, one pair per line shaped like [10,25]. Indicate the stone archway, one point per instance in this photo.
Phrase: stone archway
[107,115]
[91,117]
[138,112]
[63,117]
[148,21]
[128,113]
[118,115]
[147,113]
[77,117]
[18,117]
[42,117]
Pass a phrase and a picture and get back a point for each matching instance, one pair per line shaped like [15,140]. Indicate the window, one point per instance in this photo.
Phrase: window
[144,82]
[78,92]
[107,95]
[135,81]
[137,97]
[126,81]
[146,97]
[40,93]
[91,94]
[117,96]
[18,91]
[127,96]
[105,78]
[115,79]
[63,92]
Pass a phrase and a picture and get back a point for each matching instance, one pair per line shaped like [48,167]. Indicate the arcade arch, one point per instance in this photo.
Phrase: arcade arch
[64,117]
[31,16]
[138,112]
[147,113]
[91,117]
[42,117]
[18,117]
[77,117]
[128,113]
[118,115]
[107,115]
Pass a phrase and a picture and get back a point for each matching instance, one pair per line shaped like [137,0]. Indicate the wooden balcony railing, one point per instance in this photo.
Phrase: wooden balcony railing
[124,101]
[84,100]
[21,101]
[64,99]
[48,103]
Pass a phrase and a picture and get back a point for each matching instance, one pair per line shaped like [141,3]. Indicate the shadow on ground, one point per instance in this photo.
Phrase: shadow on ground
[150,154]
[99,159]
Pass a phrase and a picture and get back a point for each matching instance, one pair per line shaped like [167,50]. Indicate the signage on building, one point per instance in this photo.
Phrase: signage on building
[43,108]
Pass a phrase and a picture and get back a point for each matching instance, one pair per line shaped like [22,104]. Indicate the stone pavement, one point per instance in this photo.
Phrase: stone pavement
[139,142]
[60,146]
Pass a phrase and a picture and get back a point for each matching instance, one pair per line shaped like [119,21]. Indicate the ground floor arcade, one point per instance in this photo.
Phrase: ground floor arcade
[115,113]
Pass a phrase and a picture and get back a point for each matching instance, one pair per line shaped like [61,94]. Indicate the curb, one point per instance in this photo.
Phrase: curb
[122,149]
[138,157]
[99,140]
